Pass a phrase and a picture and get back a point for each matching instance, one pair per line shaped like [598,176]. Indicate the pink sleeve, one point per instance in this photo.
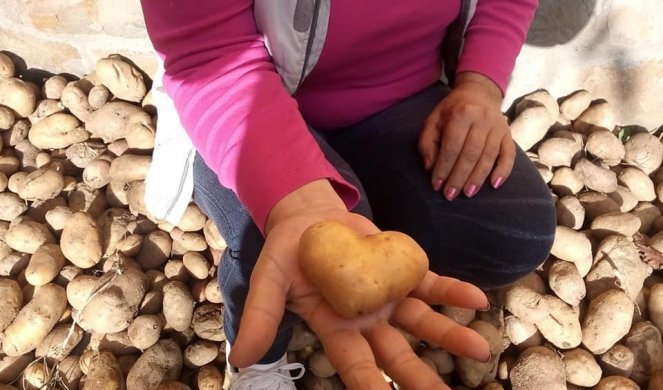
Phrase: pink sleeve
[231,101]
[495,36]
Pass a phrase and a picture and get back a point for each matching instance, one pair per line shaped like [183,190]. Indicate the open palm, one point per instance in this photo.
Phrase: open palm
[355,347]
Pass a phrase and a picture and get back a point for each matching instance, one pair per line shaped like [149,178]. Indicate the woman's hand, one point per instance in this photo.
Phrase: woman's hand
[466,137]
[356,347]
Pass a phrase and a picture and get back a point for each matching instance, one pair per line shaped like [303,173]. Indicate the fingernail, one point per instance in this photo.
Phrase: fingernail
[485,308]
[471,191]
[498,182]
[426,162]
[490,357]
[451,193]
[437,186]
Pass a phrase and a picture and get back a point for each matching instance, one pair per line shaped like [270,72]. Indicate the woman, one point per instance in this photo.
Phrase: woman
[310,110]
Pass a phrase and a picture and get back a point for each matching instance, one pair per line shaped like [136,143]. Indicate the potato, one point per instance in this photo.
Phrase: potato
[98,96]
[581,368]
[140,136]
[28,236]
[83,153]
[11,206]
[129,167]
[624,198]
[9,165]
[556,152]
[18,95]
[570,212]
[14,263]
[617,263]
[121,78]
[104,373]
[45,265]
[566,282]
[208,322]
[145,331]
[81,240]
[117,343]
[618,360]
[200,353]
[538,368]
[177,305]
[540,97]
[44,109]
[80,289]
[647,213]
[209,377]
[566,181]
[562,325]
[59,343]
[7,119]
[460,315]
[11,299]
[640,185]
[74,97]
[598,116]
[608,319]
[531,125]
[35,320]
[521,333]
[350,274]
[625,224]
[596,178]
[97,173]
[573,246]
[35,377]
[87,199]
[574,104]
[7,68]
[159,363]
[644,150]
[70,372]
[196,264]
[473,373]
[53,87]
[655,305]
[155,250]
[57,131]
[213,292]
[110,121]
[644,339]
[187,241]
[115,303]
[606,146]
[11,367]
[616,383]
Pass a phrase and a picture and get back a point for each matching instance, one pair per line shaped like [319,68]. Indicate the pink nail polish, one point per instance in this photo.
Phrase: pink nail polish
[451,193]
[437,186]
[498,182]
[471,191]
[426,162]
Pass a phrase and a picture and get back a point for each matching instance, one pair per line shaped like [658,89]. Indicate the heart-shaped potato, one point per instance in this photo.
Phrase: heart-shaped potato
[358,274]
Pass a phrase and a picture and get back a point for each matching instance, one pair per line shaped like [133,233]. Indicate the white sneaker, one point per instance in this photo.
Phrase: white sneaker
[273,376]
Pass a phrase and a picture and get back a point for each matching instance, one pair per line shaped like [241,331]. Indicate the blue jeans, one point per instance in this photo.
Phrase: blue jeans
[490,240]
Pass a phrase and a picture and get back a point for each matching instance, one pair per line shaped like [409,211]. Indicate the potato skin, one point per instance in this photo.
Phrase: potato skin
[11,300]
[104,373]
[35,320]
[81,240]
[351,277]
[159,363]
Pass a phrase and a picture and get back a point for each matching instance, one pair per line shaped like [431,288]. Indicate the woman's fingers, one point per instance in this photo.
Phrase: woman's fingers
[397,359]
[443,290]
[417,318]
[454,133]
[262,315]
[429,139]
[505,162]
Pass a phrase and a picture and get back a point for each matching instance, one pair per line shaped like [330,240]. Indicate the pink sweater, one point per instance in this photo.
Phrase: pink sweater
[254,135]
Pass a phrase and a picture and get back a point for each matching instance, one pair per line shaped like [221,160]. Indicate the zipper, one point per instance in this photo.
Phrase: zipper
[180,187]
[309,44]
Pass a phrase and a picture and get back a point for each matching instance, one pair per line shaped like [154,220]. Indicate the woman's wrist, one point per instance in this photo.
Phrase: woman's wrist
[316,195]
[481,81]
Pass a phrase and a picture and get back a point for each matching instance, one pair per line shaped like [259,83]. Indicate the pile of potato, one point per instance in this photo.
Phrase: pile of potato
[97,293]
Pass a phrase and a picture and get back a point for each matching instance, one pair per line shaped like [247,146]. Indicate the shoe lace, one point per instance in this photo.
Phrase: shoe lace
[268,379]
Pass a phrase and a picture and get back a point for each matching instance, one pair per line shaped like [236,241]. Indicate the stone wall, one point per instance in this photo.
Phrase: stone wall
[614,48]
[69,36]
